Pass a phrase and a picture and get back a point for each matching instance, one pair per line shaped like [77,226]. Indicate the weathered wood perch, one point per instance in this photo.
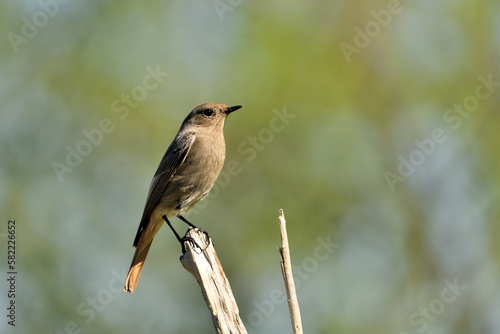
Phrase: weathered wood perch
[202,262]
[286,270]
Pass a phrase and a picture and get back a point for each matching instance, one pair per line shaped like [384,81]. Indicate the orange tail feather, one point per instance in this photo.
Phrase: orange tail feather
[136,267]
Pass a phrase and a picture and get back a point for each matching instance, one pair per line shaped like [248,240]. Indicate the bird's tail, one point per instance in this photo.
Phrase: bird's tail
[136,267]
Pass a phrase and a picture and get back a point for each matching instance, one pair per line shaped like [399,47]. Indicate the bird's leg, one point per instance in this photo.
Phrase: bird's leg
[175,232]
[186,221]
[192,226]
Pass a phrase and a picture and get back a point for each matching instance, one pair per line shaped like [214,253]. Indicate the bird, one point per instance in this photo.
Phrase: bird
[185,175]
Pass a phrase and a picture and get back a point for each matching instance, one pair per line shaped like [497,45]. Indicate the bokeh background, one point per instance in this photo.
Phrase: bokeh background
[372,124]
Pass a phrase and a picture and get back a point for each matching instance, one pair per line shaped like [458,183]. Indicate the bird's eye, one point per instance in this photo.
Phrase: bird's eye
[207,112]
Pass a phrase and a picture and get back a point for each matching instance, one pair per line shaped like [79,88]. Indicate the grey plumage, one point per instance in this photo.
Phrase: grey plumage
[187,172]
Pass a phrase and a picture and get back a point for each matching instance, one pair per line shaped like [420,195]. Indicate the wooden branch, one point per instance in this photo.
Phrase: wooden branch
[286,270]
[202,262]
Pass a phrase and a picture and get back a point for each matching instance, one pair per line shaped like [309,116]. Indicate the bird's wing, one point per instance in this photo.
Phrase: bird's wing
[168,168]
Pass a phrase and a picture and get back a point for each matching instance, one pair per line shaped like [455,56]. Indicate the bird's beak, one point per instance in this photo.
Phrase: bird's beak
[231,109]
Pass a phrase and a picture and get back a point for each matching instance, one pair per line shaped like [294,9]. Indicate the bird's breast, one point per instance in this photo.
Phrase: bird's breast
[197,174]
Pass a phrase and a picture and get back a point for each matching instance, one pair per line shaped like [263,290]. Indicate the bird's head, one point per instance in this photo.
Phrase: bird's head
[209,115]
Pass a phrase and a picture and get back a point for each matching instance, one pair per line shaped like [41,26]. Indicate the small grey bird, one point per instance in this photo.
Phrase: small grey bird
[186,173]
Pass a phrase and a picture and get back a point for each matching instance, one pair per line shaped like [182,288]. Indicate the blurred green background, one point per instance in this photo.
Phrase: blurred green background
[374,125]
